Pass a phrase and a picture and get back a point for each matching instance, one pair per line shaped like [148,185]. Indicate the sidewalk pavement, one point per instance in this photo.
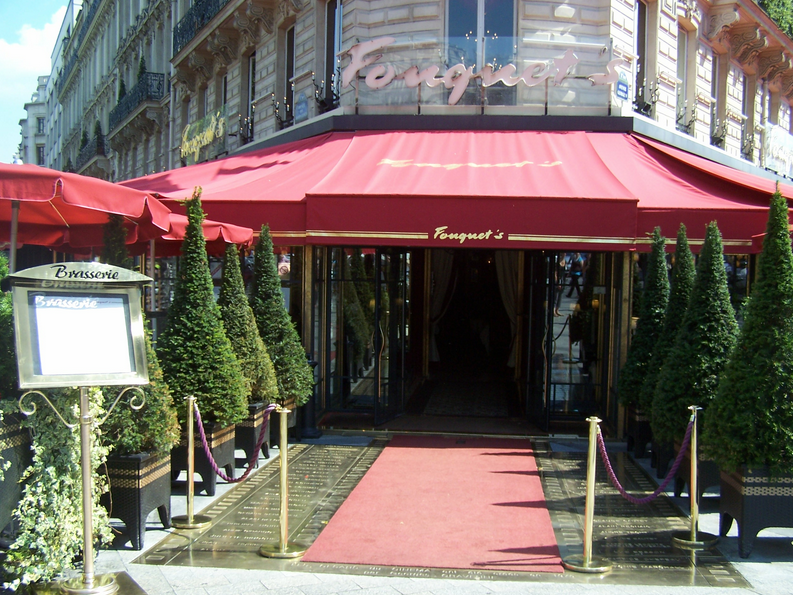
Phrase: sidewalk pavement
[769,569]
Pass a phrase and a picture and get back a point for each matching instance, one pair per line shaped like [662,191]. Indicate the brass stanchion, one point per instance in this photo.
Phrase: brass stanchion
[587,563]
[283,549]
[190,520]
[694,539]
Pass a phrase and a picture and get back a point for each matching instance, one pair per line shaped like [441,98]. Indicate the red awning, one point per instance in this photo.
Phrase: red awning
[251,189]
[494,189]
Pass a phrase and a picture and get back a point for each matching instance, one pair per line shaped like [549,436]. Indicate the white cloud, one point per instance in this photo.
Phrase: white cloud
[24,60]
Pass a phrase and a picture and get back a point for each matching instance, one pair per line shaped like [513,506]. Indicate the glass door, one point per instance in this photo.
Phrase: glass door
[391,332]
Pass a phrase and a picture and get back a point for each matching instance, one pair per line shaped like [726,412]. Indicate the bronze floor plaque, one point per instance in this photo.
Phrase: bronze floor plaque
[637,539]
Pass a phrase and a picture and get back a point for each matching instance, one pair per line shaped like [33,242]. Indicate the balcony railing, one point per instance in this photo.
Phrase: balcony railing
[96,147]
[87,19]
[196,18]
[150,87]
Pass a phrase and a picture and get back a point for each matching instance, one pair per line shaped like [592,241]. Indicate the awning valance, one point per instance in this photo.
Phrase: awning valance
[487,189]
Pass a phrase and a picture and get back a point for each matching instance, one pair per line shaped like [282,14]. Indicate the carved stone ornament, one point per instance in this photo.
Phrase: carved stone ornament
[720,19]
[187,79]
[786,83]
[263,16]
[772,63]
[201,65]
[249,31]
[691,11]
[746,42]
[221,46]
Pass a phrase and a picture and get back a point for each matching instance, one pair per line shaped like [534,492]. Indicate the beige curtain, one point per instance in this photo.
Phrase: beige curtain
[507,271]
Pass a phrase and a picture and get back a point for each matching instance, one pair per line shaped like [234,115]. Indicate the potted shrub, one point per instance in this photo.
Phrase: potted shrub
[691,371]
[197,358]
[49,516]
[257,367]
[655,298]
[293,373]
[140,442]
[749,431]
[681,283]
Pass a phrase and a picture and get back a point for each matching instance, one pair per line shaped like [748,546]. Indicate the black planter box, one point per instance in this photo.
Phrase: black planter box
[139,483]
[755,501]
[246,434]
[15,448]
[708,474]
[221,444]
[661,457]
[638,432]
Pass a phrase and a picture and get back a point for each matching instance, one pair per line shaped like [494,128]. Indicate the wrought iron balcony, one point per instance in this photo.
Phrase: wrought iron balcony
[96,147]
[196,18]
[150,87]
[87,19]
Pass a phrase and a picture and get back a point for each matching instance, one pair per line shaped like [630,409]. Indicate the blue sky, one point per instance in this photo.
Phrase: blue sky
[28,29]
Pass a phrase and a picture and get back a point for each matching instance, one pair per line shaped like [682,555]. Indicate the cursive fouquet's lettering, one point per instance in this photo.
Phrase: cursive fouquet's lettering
[458,76]
[441,234]
[62,272]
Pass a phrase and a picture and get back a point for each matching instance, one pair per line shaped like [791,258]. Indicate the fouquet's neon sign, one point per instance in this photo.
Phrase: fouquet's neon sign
[458,76]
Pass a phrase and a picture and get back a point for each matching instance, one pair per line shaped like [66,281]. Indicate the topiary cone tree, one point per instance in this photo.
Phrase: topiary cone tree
[690,374]
[751,419]
[651,320]
[681,284]
[195,354]
[295,376]
[240,325]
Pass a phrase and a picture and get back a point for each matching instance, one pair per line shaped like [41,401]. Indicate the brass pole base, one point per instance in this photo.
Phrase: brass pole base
[104,584]
[704,541]
[290,550]
[595,565]
[199,521]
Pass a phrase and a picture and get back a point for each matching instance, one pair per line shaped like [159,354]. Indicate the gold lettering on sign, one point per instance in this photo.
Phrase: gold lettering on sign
[452,166]
[442,234]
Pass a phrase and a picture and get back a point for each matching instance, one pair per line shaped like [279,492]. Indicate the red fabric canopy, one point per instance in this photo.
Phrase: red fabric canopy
[252,189]
[57,208]
[494,189]
[216,234]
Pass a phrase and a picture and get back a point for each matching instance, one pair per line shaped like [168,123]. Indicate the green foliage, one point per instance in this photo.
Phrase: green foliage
[295,376]
[655,298]
[97,128]
[84,139]
[69,167]
[8,359]
[195,354]
[751,419]
[240,325]
[690,374]
[122,89]
[141,67]
[683,274]
[114,250]
[154,428]
[50,513]
[781,12]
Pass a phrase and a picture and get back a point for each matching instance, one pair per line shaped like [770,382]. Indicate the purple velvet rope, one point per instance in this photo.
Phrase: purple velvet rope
[667,479]
[269,409]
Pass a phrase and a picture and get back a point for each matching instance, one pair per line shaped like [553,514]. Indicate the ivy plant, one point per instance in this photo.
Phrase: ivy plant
[50,513]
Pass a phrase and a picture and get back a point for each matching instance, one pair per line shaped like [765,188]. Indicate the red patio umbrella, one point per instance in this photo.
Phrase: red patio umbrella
[216,233]
[46,207]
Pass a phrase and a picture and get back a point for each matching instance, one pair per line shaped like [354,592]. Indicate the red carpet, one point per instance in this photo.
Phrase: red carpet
[432,502]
